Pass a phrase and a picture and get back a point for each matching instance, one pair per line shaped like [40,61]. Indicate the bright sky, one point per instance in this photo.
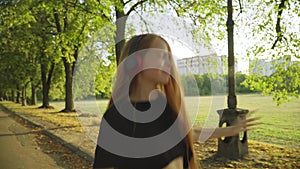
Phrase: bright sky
[241,41]
[182,51]
[178,28]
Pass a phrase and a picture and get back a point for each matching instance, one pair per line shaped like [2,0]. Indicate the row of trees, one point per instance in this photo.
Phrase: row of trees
[206,84]
[41,41]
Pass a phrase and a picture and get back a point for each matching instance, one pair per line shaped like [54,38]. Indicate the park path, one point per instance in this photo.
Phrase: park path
[18,147]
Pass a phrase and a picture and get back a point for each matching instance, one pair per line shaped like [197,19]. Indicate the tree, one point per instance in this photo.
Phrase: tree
[44,30]
[74,21]
[18,47]
[275,36]
[56,31]
[96,66]
[267,28]
[121,17]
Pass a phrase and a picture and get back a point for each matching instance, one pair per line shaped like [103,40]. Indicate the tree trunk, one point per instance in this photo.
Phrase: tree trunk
[3,96]
[46,84]
[24,102]
[45,87]
[120,33]
[33,99]
[13,99]
[18,94]
[33,96]
[69,102]
[231,101]
[121,24]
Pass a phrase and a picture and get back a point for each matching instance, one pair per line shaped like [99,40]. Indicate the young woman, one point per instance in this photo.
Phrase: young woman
[145,125]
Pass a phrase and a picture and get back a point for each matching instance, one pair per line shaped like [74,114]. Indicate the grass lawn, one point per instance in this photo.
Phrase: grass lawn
[280,124]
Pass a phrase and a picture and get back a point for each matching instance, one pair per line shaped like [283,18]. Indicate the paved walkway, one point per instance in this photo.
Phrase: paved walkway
[18,148]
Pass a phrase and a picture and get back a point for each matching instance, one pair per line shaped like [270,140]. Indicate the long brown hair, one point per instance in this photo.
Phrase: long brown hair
[172,90]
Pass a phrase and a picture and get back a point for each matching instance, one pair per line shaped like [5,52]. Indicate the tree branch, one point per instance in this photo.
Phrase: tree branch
[279,34]
[241,9]
[57,23]
[134,6]
[144,21]
[85,9]
[50,73]
[172,5]
[186,9]
[124,3]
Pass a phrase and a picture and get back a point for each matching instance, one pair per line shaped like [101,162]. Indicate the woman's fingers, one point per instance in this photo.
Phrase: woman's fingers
[250,123]
[252,119]
[253,124]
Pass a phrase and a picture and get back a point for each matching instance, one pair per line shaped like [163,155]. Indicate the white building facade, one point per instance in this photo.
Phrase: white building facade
[203,64]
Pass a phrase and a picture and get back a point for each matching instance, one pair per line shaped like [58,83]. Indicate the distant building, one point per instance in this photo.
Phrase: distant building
[203,64]
[262,67]
[267,68]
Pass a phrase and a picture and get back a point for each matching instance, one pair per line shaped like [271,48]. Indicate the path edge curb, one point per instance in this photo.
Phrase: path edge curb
[70,146]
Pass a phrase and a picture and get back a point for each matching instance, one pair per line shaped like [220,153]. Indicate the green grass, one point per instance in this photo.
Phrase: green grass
[280,125]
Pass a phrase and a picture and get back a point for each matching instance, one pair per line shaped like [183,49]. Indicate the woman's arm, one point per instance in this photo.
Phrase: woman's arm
[211,133]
